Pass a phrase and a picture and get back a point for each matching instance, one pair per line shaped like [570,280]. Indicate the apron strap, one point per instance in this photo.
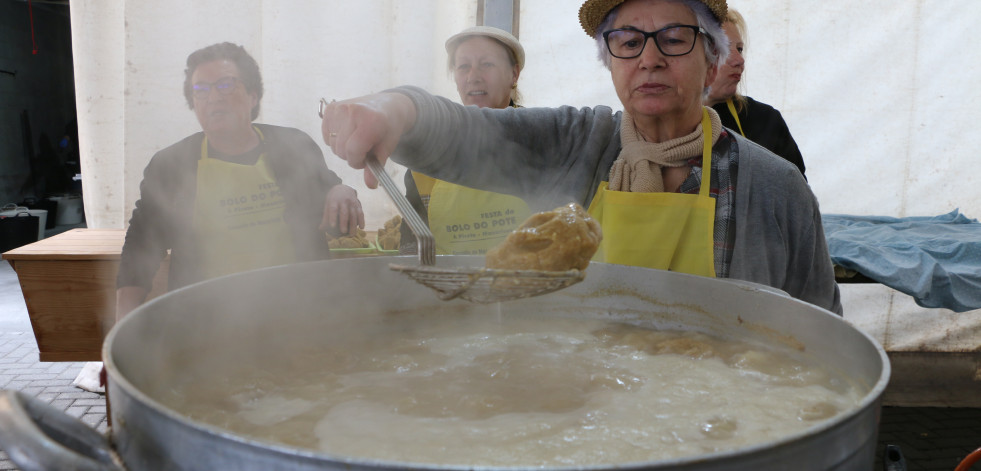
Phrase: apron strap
[732,110]
[706,186]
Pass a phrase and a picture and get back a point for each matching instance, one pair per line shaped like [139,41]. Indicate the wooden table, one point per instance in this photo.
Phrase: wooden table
[69,285]
[935,354]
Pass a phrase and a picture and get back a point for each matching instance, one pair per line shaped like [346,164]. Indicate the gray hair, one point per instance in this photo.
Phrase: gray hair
[716,48]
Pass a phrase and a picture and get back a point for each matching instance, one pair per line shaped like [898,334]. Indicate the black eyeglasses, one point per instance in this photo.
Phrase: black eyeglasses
[224,86]
[627,43]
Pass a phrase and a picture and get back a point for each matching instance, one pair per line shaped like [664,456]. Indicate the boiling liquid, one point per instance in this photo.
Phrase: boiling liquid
[521,392]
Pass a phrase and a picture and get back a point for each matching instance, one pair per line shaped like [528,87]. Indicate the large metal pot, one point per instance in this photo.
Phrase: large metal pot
[222,322]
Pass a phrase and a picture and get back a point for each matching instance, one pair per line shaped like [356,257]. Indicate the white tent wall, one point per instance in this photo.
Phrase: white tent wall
[878,96]
[97,32]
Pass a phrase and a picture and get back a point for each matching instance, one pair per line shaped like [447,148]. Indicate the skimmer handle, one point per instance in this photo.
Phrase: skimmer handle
[427,244]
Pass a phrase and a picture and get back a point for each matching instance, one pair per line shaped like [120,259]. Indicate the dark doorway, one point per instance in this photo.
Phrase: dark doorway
[39,156]
[39,153]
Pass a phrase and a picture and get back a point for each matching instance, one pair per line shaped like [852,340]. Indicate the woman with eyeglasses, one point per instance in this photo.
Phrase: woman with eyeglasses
[236,196]
[671,187]
[485,63]
[756,121]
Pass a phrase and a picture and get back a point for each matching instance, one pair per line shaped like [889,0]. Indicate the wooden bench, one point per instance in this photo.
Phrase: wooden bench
[69,286]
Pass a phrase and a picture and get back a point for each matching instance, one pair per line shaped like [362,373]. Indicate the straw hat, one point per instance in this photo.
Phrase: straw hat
[593,12]
[491,32]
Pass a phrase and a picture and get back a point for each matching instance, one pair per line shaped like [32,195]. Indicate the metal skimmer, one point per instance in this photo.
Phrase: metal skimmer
[474,284]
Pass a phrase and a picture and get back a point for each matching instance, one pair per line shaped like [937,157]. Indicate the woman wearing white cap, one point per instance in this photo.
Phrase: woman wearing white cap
[670,186]
[485,63]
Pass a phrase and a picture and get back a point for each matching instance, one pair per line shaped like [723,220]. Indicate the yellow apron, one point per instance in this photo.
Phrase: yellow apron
[238,217]
[467,221]
[668,231]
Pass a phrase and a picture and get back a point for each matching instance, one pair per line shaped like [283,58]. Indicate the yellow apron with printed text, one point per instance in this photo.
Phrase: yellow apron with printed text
[467,221]
[238,217]
[668,231]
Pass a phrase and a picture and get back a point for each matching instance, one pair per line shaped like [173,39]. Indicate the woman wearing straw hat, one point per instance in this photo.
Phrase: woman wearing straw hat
[670,186]
[759,122]
[485,63]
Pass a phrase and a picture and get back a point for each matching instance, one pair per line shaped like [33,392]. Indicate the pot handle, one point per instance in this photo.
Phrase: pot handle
[39,437]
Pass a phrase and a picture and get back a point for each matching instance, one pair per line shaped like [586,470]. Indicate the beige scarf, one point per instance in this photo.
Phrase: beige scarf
[638,167]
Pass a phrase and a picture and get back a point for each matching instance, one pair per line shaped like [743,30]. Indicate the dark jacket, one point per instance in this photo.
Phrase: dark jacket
[765,126]
[163,215]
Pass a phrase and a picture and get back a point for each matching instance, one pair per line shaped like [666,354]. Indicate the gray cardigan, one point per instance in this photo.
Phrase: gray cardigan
[551,156]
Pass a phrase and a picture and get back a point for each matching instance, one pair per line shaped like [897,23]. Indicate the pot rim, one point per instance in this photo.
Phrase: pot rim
[871,398]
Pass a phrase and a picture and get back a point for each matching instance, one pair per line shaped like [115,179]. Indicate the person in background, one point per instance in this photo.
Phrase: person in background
[55,175]
[235,196]
[671,188]
[756,121]
[70,153]
[486,63]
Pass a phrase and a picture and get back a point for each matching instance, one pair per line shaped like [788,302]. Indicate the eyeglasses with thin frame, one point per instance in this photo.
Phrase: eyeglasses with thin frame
[629,42]
[224,86]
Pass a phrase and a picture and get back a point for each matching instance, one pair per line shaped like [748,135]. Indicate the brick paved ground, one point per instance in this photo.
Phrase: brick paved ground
[50,382]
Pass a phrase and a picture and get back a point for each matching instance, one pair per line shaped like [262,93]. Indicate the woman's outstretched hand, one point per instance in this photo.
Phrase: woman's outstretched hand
[371,124]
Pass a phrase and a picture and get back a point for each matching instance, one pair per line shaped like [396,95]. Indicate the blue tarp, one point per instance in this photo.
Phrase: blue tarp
[936,260]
